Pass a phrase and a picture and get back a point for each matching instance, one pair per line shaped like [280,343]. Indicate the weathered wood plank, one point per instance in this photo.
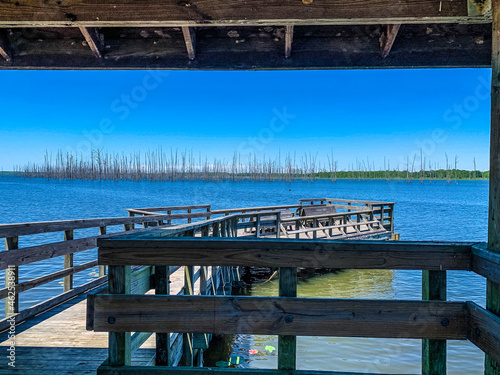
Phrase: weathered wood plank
[387,39]
[287,253]
[50,303]
[288,40]
[68,262]
[187,337]
[119,345]
[11,278]
[287,345]
[4,51]
[162,287]
[190,40]
[134,370]
[433,351]
[486,262]
[24,229]
[484,331]
[492,365]
[309,316]
[255,12]
[27,285]
[93,40]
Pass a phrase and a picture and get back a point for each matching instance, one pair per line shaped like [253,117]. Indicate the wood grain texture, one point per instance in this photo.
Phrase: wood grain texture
[486,262]
[254,12]
[433,351]
[387,39]
[287,345]
[286,253]
[267,315]
[484,332]
[93,40]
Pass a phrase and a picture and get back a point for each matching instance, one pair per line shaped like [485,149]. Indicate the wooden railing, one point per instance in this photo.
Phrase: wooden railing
[16,255]
[434,320]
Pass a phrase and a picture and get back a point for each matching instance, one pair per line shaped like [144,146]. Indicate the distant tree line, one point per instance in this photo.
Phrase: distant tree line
[175,165]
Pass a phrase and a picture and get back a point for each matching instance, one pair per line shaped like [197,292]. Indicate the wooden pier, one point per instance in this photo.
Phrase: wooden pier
[109,34]
[51,332]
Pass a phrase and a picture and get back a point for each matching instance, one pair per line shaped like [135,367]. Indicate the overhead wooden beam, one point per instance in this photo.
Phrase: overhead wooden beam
[288,40]
[91,35]
[4,51]
[190,40]
[131,13]
[387,39]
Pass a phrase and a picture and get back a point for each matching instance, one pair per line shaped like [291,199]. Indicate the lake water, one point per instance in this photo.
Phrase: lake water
[433,211]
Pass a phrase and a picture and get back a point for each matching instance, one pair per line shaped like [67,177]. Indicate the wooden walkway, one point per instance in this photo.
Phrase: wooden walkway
[57,342]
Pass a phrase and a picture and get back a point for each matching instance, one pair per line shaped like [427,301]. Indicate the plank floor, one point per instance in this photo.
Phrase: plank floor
[56,342]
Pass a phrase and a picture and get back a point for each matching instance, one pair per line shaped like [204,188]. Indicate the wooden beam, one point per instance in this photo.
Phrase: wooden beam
[281,316]
[164,13]
[387,39]
[484,331]
[151,370]
[190,40]
[4,51]
[287,345]
[93,39]
[492,365]
[272,252]
[486,262]
[288,40]
[433,351]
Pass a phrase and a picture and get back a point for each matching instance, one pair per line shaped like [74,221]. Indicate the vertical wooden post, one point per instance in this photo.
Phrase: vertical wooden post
[188,355]
[433,351]
[492,367]
[278,224]
[169,221]
[102,269]
[119,342]
[189,219]
[257,226]
[162,286]
[68,262]
[287,345]
[11,278]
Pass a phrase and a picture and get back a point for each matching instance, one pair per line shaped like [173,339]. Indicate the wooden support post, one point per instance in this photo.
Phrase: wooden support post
[387,39]
[189,219]
[11,279]
[93,39]
[190,40]
[287,345]
[288,40]
[169,221]
[257,226]
[492,367]
[187,342]
[68,263]
[433,351]
[4,50]
[102,269]
[119,342]
[162,286]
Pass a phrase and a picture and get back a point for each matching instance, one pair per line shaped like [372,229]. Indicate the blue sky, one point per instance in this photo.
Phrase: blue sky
[354,114]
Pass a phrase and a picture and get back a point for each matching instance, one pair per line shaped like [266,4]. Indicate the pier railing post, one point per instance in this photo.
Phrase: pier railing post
[492,367]
[11,278]
[119,347]
[102,269]
[162,286]
[433,351]
[68,263]
[287,345]
[187,338]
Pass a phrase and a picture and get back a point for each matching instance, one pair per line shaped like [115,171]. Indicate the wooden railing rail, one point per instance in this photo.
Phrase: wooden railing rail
[434,319]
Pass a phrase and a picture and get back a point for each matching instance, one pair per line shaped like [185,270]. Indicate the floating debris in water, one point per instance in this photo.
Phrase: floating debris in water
[253,351]
[94,274]
[270,348]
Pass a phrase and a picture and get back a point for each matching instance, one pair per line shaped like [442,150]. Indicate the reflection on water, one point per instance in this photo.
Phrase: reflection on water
[365,355]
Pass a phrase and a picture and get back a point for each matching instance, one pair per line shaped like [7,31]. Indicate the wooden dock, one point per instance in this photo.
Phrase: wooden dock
[143,317]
